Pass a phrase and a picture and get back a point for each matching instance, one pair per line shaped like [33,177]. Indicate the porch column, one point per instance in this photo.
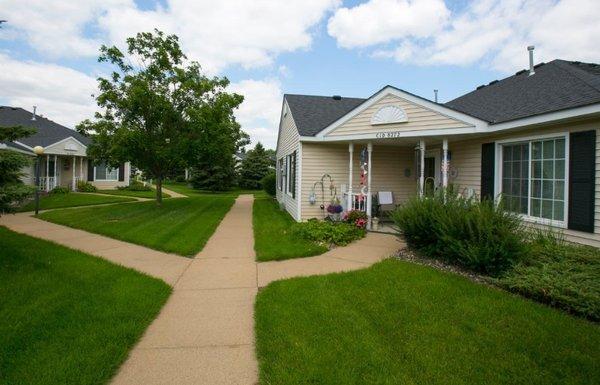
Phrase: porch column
[445,164]
[187,173]
[369,198]
[350,172]
[47,172]
[55,164]
[81,168]
[73,184]
[422,168]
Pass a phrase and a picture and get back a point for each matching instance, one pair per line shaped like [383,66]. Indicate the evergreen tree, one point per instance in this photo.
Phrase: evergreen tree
[12,189]
[255,166]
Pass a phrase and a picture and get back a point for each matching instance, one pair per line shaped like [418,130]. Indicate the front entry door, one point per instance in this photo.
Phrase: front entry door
[429,175]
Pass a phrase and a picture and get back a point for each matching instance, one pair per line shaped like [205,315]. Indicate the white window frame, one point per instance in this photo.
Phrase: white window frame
[106,180]
[288,173]
[498,175]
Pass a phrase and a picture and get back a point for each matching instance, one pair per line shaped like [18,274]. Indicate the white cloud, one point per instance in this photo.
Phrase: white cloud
[61,94]
[215,33]
[382,21]
[260,112]
[493,33]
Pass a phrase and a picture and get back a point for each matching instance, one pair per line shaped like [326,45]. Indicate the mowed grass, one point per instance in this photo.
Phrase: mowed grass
[138,194]
[273,239]
[401,323]
[180,226]
[55,201]
[186,189]
[67,317]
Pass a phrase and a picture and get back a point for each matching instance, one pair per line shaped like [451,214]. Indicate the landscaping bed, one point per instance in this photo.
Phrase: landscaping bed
[181,226]
[67,317]
[72,199]
[150,194]
[403,323]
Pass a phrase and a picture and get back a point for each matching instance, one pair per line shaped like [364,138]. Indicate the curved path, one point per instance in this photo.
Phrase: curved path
[205,332]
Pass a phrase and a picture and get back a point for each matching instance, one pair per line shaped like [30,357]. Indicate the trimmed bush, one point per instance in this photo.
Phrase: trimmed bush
[327,232]
[83,186]
[269,183]
[480,236]
[59,190]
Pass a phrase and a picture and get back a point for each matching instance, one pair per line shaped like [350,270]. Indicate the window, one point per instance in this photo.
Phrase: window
[281,170]
[291,180]
[533,178]
[103,172]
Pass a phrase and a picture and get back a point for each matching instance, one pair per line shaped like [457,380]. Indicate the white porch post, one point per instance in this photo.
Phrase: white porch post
[445,164]
[73,184]
[369,198]
[47,172]
[187,173]
[350,172]
[422,168]
[81,168]
[55,166]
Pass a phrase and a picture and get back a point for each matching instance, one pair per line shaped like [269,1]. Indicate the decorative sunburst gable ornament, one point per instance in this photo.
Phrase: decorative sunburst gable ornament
[388,115]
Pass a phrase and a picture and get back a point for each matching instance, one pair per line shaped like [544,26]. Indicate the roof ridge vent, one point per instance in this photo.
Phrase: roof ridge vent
[492,82]
[336,97]
[539,65]
[480,87]
[520,72]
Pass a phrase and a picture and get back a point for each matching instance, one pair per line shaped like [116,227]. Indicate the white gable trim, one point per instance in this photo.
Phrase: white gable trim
[284,107]
[65,139]
[389,90]
[549,117]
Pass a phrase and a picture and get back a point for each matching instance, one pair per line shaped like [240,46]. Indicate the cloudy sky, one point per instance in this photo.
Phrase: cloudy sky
[48,49]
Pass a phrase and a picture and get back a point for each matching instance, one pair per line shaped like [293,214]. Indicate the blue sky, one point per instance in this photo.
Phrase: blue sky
[48,50]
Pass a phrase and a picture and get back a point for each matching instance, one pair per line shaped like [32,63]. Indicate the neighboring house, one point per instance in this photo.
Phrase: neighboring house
[64,162]
[531,138]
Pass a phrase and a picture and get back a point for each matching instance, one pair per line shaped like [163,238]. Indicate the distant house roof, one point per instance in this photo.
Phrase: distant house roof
[48,132]
[557,85]
[313,113]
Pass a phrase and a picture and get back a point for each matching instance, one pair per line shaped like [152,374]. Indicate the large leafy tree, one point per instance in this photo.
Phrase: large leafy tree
[159,111]
[12,189]
[255,166]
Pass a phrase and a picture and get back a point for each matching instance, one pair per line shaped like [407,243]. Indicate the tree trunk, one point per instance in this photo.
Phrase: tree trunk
[159,191]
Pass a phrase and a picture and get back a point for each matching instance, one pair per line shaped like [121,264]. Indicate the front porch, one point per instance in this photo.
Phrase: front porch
[376,176]
[57,170]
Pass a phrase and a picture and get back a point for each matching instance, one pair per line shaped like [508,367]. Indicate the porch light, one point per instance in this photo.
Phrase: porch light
[38,150]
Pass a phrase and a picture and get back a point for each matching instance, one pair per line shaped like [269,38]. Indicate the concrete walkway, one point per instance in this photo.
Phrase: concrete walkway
[205,332]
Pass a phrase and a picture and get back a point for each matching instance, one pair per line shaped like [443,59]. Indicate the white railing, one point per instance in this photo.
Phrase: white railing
[358,202]
[47,181]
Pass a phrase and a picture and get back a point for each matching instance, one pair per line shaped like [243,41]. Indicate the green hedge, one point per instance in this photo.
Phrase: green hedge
[327,232]
[477,235]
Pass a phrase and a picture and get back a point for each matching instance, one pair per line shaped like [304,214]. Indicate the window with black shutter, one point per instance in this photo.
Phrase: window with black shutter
[488,160]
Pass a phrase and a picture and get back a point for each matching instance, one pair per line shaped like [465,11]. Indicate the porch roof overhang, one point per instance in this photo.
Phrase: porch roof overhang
[66,147]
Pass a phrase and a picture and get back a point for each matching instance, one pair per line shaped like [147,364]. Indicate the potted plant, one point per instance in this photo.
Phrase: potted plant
[334,209]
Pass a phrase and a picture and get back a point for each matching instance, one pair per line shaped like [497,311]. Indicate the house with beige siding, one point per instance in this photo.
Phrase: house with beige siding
[531,138]
[64,161]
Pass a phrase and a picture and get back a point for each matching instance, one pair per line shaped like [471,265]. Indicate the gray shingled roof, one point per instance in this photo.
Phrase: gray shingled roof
[557,85]
[313,113]
[48,132]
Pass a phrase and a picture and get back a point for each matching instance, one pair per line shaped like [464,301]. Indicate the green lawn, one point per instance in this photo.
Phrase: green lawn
[402,323]
[180,226]
[54,201]
[67,317]
[185,189]
[138,194]
[272,237]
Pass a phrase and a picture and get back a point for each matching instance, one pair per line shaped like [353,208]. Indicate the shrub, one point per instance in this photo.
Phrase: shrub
[327,232]
[357,218]
[83,186]
[560,274]
[135,186]
[480,236]
[269,183]
[59,190]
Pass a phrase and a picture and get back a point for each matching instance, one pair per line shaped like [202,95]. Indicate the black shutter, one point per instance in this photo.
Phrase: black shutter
[582,175]
[90,175]
[122,172]
[293,172]
[488,162]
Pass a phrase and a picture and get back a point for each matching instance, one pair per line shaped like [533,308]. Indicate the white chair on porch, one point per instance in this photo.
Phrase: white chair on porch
[385,203]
